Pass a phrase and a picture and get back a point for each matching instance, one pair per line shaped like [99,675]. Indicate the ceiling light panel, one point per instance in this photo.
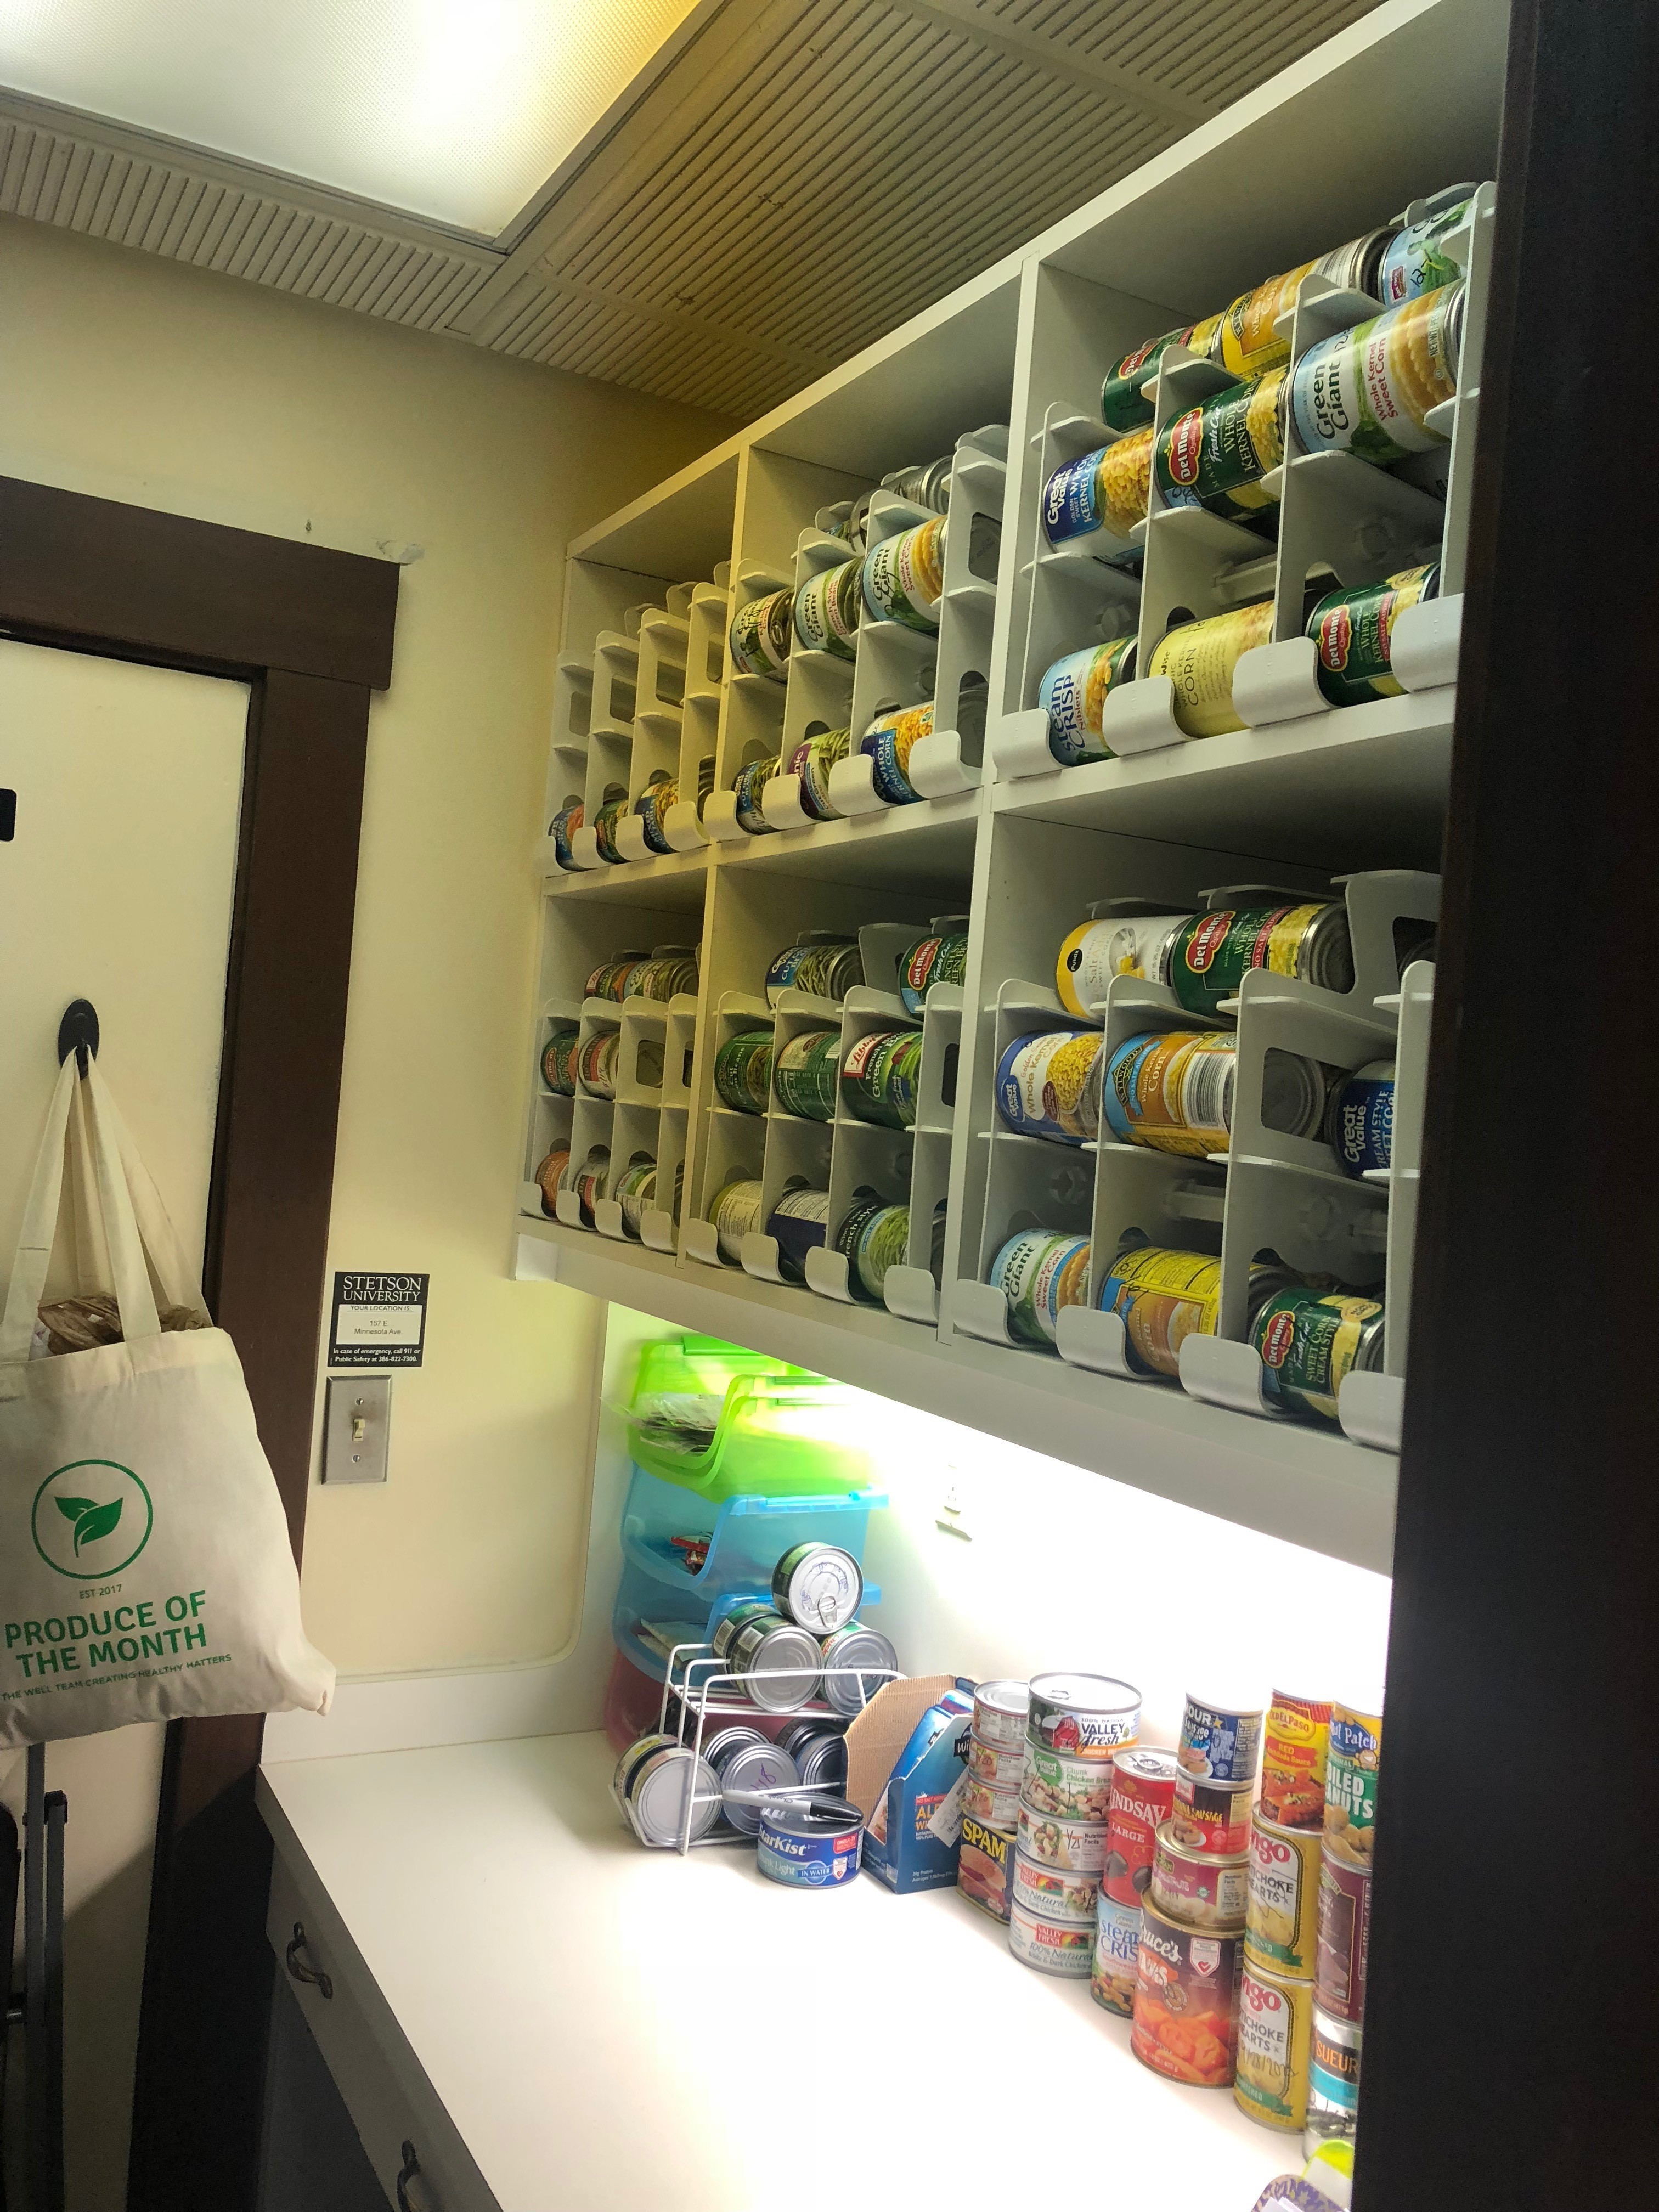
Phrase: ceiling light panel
[457,110]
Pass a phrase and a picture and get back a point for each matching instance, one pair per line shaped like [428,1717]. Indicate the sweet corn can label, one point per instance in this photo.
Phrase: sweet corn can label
[1309,1340]
[1352,631]
[1117,1952]
[1070,1788]
[1212,953]
[743,1071]
[812,761]
[559,1063]
[1215,455]
[805,1074]
[1106,490]
[760,635]
[605,829]
[561,829]
[1123,405]
[904,577]
[1186,2007]
[985,1868]
[1049,1085]
[1249,344]
[1162,1296]
[1038,1272]
[1275,2027]
[1054,1894]
[1359,1118]
[1172,1090]
[890,741]
[750,787]
[826,611]
[652,806]
[1199,658]
[1368,391]
[1072,694]
[1344,1939]
[934,960]
[1282,1915]
[798,1226]
[1351,1784]
[1294,1753]
[1138,945]
[881,1076]
[735,1211]
[1415,262]
[883,1243]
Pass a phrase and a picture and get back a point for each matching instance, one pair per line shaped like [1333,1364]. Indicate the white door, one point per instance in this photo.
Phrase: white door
[116,886]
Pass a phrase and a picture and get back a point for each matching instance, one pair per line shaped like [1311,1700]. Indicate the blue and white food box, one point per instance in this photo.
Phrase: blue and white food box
[912,1837]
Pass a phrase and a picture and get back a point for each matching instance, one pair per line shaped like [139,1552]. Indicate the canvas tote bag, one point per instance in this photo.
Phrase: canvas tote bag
[145,1573]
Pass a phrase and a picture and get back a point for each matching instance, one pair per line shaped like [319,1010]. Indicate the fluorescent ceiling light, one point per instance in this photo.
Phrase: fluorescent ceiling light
[458,110]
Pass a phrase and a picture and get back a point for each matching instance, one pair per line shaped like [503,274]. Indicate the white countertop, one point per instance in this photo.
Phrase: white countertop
[617,2030]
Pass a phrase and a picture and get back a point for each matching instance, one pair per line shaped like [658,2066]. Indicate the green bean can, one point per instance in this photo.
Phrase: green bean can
[605,829]
[812,761]
[761,633]
[743,1071]
[747,789]
[1212,953]
[881,1078]
[609,979]
[652,806]
[903,576]
[806,1077]
[1309,1339]
[882,1243]
[735,1212]
[1352,631]
[827,608]
[635,1189]
[559,1063]
[942,959]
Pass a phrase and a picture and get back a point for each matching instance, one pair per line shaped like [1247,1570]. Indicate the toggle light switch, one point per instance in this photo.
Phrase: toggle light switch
[357,1428]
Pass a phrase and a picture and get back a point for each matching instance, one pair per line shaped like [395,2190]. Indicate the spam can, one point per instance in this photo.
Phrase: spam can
[1212,1816]
[596,1064]
[985,1868]
[1065,1948]
[1353,632]
[813,1846]
[1281,1916]
[750,791]
[826,611]
[903,578]
[1072,1789]
[1172,1092]
[1309,1340]
[1196,1887]
[890,741]
[1350,1772]
[1186,2008]
[743,1071]
[1049,1086]
[1106,490]
[605,830]
[999,1710]
[1072,694]
[1370,391]
[940,959]
[1212,953]
[1359,1118]
[1038,1271]
[561,829]
[760,635]
[1095,951]
[1092,1717]
[1219,1743]
[1054,1894]
[1344,1942]
[1198,658]
[797,1225]
[881,1078]
[1142,1798]
[1117,1950]
[1275,2031]
[812,761]
[652,806]
[559,1063]
[1216,454]
[1294,1752]
[804,1078]
[1416,260]
[1123,403]
[735,1212]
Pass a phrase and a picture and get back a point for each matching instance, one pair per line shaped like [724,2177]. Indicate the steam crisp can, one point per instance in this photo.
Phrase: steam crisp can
[1049,1085]
[1039,1272]
[1117,1952]
[1309,1340]
[1216,454]
[1275,2029]
[1281,1918]
[760,635]
[1370,391]
[1212,953]
[826,611]
[904,577]
[1072,694]
[1359,1118]
[1106,490]
[1200,657]
[1095,951]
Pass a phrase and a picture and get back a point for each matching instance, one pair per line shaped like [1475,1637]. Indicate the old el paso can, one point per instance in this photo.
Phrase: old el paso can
[1212,1816]
[1281,1916]
[881,1076]
[1072,694]
[814,1846]
[1212,953]
[1359,1118]
[1353,632]
[1216,454]
[1142,1798]
[1294,1753]
[1309,1340]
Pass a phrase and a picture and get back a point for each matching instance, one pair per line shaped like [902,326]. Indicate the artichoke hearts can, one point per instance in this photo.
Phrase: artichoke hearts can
[1197,1887]
[1117,1950]
[1370,391]
[1275,2030]
[1072,694]
[1281,1916]
[1212,953]
[749,792]
[1198,658]
[760,635]
[903,576]
[1106,490]
[797,1225]
[1039,1271]
[890,741]
[1186,2010]
[1309,1340]
[735,1212]
[826,611]
[805,1074]
[812,761]
[1353,632]
[940,959]
[1095,951]
[1049,1086]
[1215,455]
[881,1078]
[743,1071]
[985,1868]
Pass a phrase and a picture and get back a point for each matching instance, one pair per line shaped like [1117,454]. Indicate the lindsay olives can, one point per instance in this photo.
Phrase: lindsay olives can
[735,1212]
[1219,1743]
[1000,1711]
[985,1868]
[1117,1951]
[1344,1938]
[1142,1798]
[1105,490]
[1049,1085]
[814,1846]
[881,1076]
[596,1064]
[826,611]
[1212,1816]
[1309,1340]
[797,1225]
[1216,454]
[883,1241]
[1359,1118]
[561,829]
[1294,1753]
[743,1071]
[1370,391]
[749,792]
[817,1585]
[559,1063]
[1213,953]
[760,635]
[1130,944]
[1172,1090]
[1082,1716]
[1123,403]
[805,1076]
[1053,1946]
[1351,1773]
[1197,1887]
[1416,260]
[1053,1893]
[1282,1915]
[1353,632]
[812,761]
[1072,1789]
[1038,1271]
[890,741]
[1072,695]
[1186,2011]
[652,806]
[1275,2025]
[942,959]
[903,576]
[605,829]
[1199,659]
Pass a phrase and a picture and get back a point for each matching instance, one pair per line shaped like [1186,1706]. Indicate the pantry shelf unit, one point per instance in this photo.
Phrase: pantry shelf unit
[1304,795]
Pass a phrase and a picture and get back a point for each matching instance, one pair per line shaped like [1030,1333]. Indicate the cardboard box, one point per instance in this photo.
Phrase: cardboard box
[906,1765]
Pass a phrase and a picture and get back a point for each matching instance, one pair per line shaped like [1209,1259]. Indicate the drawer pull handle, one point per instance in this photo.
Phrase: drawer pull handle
[297,1967]
[414,2199]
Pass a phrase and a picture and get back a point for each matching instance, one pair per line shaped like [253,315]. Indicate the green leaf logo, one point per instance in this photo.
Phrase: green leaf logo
[119,1507]
[73,1508]
[97,1521]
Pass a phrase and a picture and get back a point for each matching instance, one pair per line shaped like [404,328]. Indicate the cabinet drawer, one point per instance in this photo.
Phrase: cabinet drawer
[391,2104]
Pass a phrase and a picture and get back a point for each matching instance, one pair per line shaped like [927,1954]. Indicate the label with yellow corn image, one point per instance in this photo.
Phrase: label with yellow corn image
[1215,455]
[1049,1085]
[1370,391]
[1200,659]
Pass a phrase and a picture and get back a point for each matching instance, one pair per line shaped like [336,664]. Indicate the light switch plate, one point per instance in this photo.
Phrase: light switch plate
[357,1428]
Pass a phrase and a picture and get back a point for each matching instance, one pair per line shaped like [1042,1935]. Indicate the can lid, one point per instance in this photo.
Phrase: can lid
[657,1802]
[1086,1694]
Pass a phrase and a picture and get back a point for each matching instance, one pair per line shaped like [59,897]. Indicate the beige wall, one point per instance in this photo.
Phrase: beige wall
[146,381]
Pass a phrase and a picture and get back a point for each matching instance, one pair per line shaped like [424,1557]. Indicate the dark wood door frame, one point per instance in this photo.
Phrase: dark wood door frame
[311,631]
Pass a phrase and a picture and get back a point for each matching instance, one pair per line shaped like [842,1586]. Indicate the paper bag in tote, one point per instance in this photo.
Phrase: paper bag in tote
[145,1573]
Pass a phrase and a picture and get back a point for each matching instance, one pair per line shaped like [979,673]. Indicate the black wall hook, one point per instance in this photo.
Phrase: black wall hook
[77,1032]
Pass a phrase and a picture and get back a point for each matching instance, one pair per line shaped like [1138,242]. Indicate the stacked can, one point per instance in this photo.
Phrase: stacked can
[1142,1801]
[1191,1921]
[1345,1923]
[1076,1726]
[990,1796]
[1276,1994]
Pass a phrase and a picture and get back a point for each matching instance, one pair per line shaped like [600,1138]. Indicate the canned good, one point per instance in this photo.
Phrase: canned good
[1309,1340]
[817,1585]
[797,1226]
[1219,1743]
[985,1868]
[1359,1118]
[881,1078]
[1212,1816]
[1247,344]
[588,1183]
[1053,1947]
[1070,1788]
[1199,1889]
[1141,1800]
[826,611]
[1370,391]
[745,1768]
[1117,1950]
[1038,1271]
[904,577]
[1123,405]
[1210,954]
[1275,2029]
[999,1710]
[735,1211]
[1333,2053]
[1082,1716]
[992,1763]
[550,1173]
[636,1186]
[815,1846]
[1350,1772]
[750,790]
[890,741]
[609,980]
[942,959]
[1281,1920]
[883,1240]
[1172,1090]
[1049,1085]
[1357,266]
[855,1645]
[1343,1944]
[1352,631]
[605,829]
[663,976]
[760,635]
[743,1071]
[1200,657]
[1054,1894]
[805,1077]
[652,806]
[719,1746]
[1104,490]
[812,761]
[596,1064]
[1293,1760]
[822,1758]
[1074,1846]
[997,1808]
[559,1063]
[1165,1297]
[1072,694]
[1415,262]
[1216,454]
[779,1661]
[561,829]
[1136,945]
[621,1780]
[656,1786]
[1186,2007]
[822,962]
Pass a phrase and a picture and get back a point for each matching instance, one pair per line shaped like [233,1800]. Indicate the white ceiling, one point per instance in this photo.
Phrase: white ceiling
[456,110]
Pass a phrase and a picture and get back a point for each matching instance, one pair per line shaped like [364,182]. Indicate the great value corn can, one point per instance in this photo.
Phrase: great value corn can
[1352,631]
[826,611]
[1368,391]
[1106,490]
[1309,1340]
[1049,1085]
[1199,658]
[1359,1118]
[1162,1296]
[760,635]
[1216,454]
[1212,953]
[890,741]
[1038,1271]
[1072,695]
[904,577]
[1281,1916]
[1275,2029]
[1130,944]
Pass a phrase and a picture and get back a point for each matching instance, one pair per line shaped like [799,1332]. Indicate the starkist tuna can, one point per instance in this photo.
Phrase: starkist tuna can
[1095,951]
[1353,632]
[1141,1799]
[1117,1952]
[1186,2011]
[1275,2027]
[985,1868]
[1281,1918]
[813,1846]
[1072,694]
[1038,1271]
[1066,1947]
[1082,1716]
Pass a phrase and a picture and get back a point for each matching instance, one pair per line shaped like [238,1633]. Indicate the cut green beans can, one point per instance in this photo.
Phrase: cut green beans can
[761,633]
[743,1071]
[827,608]
[812,761]
[805,1076]
[881,1078]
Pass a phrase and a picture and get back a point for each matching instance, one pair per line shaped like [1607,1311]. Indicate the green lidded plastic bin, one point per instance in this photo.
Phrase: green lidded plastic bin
[779,1432]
